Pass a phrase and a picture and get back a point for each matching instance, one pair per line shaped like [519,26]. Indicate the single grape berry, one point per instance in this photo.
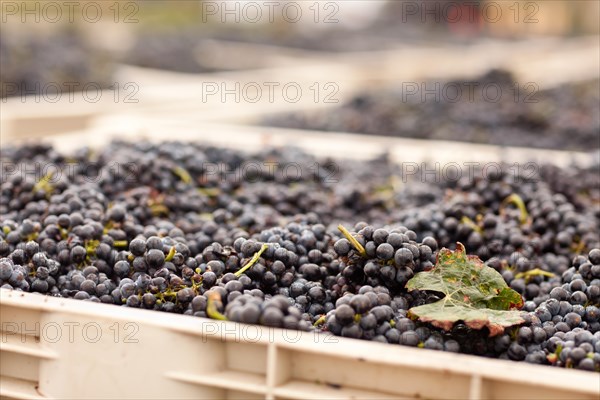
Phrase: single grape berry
[403,257]
[344,314]
[385,251]
[137,247]
[155,258]
[342,247]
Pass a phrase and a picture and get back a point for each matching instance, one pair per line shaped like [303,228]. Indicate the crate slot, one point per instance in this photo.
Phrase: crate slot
[25,345]
[324,372]
[303,390]
[244,381]
[235,364]
[475,388]
[13,388]
[246,357]
[499,390]
[14,365]
[237,395]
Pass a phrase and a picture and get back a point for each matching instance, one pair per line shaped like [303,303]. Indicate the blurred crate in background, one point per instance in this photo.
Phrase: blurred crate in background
[115,25]
[561,18]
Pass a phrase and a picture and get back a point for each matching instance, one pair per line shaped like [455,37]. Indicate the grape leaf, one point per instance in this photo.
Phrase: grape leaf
[474,293]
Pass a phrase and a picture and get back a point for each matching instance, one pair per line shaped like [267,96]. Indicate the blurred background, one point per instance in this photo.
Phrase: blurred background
[169,61]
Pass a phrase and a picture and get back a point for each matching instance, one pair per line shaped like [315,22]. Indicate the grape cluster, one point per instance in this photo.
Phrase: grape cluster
[165,232]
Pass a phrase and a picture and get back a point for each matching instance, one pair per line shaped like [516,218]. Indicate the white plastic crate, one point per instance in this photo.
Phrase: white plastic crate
[54,348]
[62,348]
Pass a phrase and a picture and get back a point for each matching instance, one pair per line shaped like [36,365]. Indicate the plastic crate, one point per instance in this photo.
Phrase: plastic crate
[53,348]
[63,348]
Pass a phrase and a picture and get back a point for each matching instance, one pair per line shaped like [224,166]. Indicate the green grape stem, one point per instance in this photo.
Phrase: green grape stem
[90,247]
[352,239]
[320,321]
[470,223]
[527,275]
[183,175]
[211,308]
[44,183]
[253,260]
[517,201]
[171,254]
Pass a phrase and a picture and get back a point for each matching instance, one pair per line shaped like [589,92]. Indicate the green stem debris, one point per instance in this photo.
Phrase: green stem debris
[171,254]
[517,201]
[527,275]
[352,239]
[579,248]
[108,226]
[210,192]
[44,183]
[183,175]
[211,307]
[159,210]
[553,357]
[32,236]
[91,246]
[470,223]
[320,321]
[253,260]
[120,243]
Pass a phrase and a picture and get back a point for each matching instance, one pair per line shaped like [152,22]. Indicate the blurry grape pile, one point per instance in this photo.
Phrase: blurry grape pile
[159,227]
[492,109]
[172,50]
[51,64]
